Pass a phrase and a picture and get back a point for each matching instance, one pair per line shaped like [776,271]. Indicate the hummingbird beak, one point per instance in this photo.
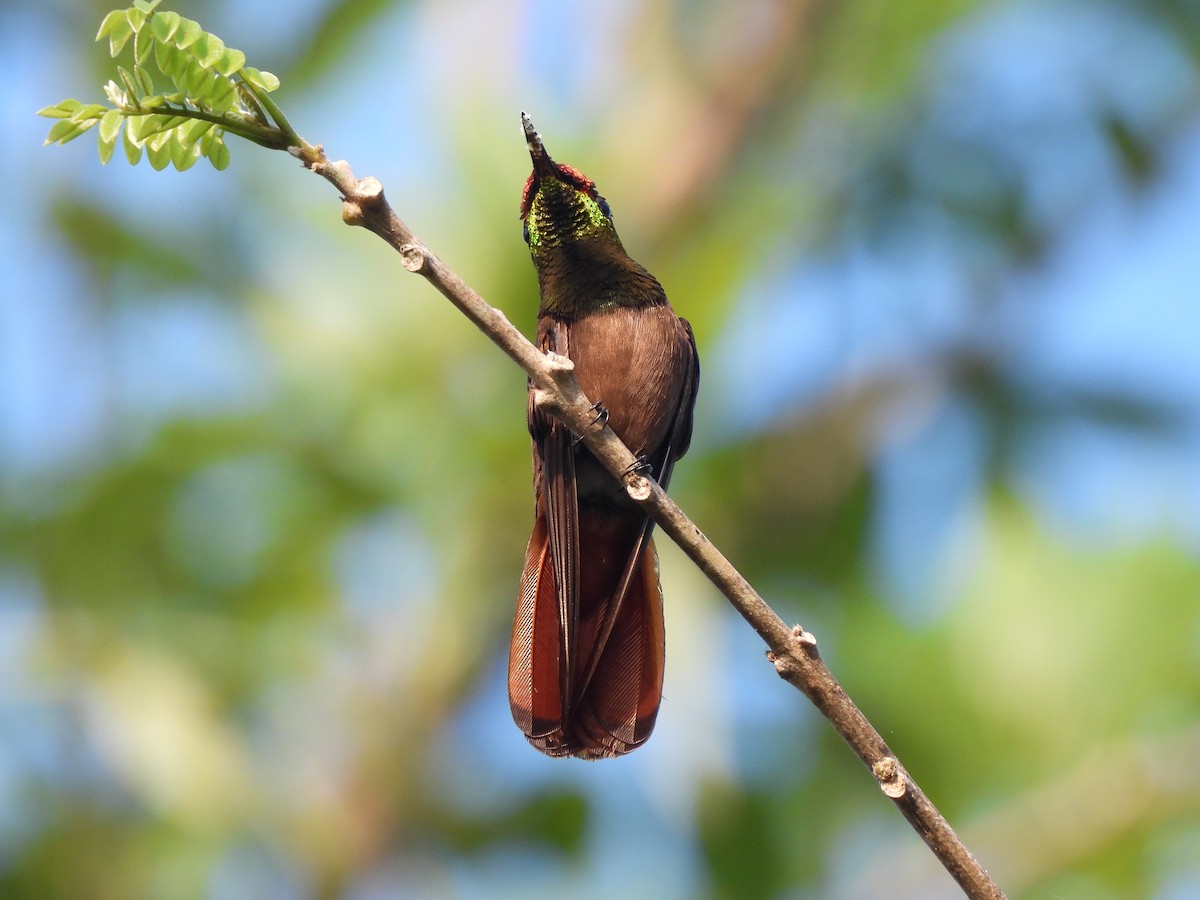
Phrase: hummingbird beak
[543,165]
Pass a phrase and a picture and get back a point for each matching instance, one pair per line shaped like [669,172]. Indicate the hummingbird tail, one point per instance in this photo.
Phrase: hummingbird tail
[607,705]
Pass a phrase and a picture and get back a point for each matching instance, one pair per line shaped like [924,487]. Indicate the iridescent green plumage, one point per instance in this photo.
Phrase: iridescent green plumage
[582,266]
[561,214]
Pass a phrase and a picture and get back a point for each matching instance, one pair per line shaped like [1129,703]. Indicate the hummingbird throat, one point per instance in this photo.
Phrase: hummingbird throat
[562,214]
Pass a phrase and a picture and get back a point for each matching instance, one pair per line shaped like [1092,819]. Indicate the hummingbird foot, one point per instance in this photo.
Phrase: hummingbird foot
[601,414]
[597,424]
[640,466]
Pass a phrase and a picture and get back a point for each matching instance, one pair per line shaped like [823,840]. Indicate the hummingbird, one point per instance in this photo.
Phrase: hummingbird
[586,661]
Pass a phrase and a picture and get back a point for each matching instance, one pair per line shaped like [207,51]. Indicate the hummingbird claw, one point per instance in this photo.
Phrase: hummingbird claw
[601,419]
[601,414]
[640,466]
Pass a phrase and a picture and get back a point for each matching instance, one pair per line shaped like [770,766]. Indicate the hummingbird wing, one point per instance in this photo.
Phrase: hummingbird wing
[681,424]
[620,690]
[542,656]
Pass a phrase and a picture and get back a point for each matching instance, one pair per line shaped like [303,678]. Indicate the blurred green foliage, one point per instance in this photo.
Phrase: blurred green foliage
[257,599]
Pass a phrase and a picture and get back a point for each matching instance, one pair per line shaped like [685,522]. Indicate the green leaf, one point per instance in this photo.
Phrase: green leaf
[110,22]
[209,49]
[143,43]
[218,154]
[264,80]
[146,7]
[193,78]
[110,125]
[88,111]
[164,55]
[159,141]
[59,130]
[159,156]
[164,25]
[194,131]
[231,60]
[60,110]
[222,96]
[133,149]
[151,129]
[131,85]
[183,156]
[118,37]
[189,32]
[143,127]
[116,96]
[177,68]
[208,88]
[134,126]
[106,145]
[136,18]
[67,130]
[144,79]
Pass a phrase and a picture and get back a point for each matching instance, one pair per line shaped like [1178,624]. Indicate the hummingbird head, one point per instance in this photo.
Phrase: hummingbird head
[582,268]
[560,207]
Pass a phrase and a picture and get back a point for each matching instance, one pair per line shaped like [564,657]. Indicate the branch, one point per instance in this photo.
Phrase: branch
[793,651]
[266,136]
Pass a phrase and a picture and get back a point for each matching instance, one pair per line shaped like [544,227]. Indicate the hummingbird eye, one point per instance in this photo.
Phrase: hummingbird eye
[525,230]
[603,204]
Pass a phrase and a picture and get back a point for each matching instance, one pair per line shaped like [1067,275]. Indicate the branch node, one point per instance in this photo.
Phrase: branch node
[543,399]
[368,191]
[784,663]
[312,158]
[804,643]
[638,487]
[561,368]
[352,214]
[414,257]
[890,777]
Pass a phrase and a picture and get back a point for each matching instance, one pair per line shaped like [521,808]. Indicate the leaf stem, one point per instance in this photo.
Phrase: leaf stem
[273,110]
[264,136]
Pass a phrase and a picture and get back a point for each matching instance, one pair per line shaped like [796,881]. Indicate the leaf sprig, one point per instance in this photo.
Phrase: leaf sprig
[214,93]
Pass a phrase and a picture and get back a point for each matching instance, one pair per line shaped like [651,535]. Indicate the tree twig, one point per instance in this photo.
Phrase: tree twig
[793,651]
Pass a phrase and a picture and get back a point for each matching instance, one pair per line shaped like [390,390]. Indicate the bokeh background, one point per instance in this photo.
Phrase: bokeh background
[264,496]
